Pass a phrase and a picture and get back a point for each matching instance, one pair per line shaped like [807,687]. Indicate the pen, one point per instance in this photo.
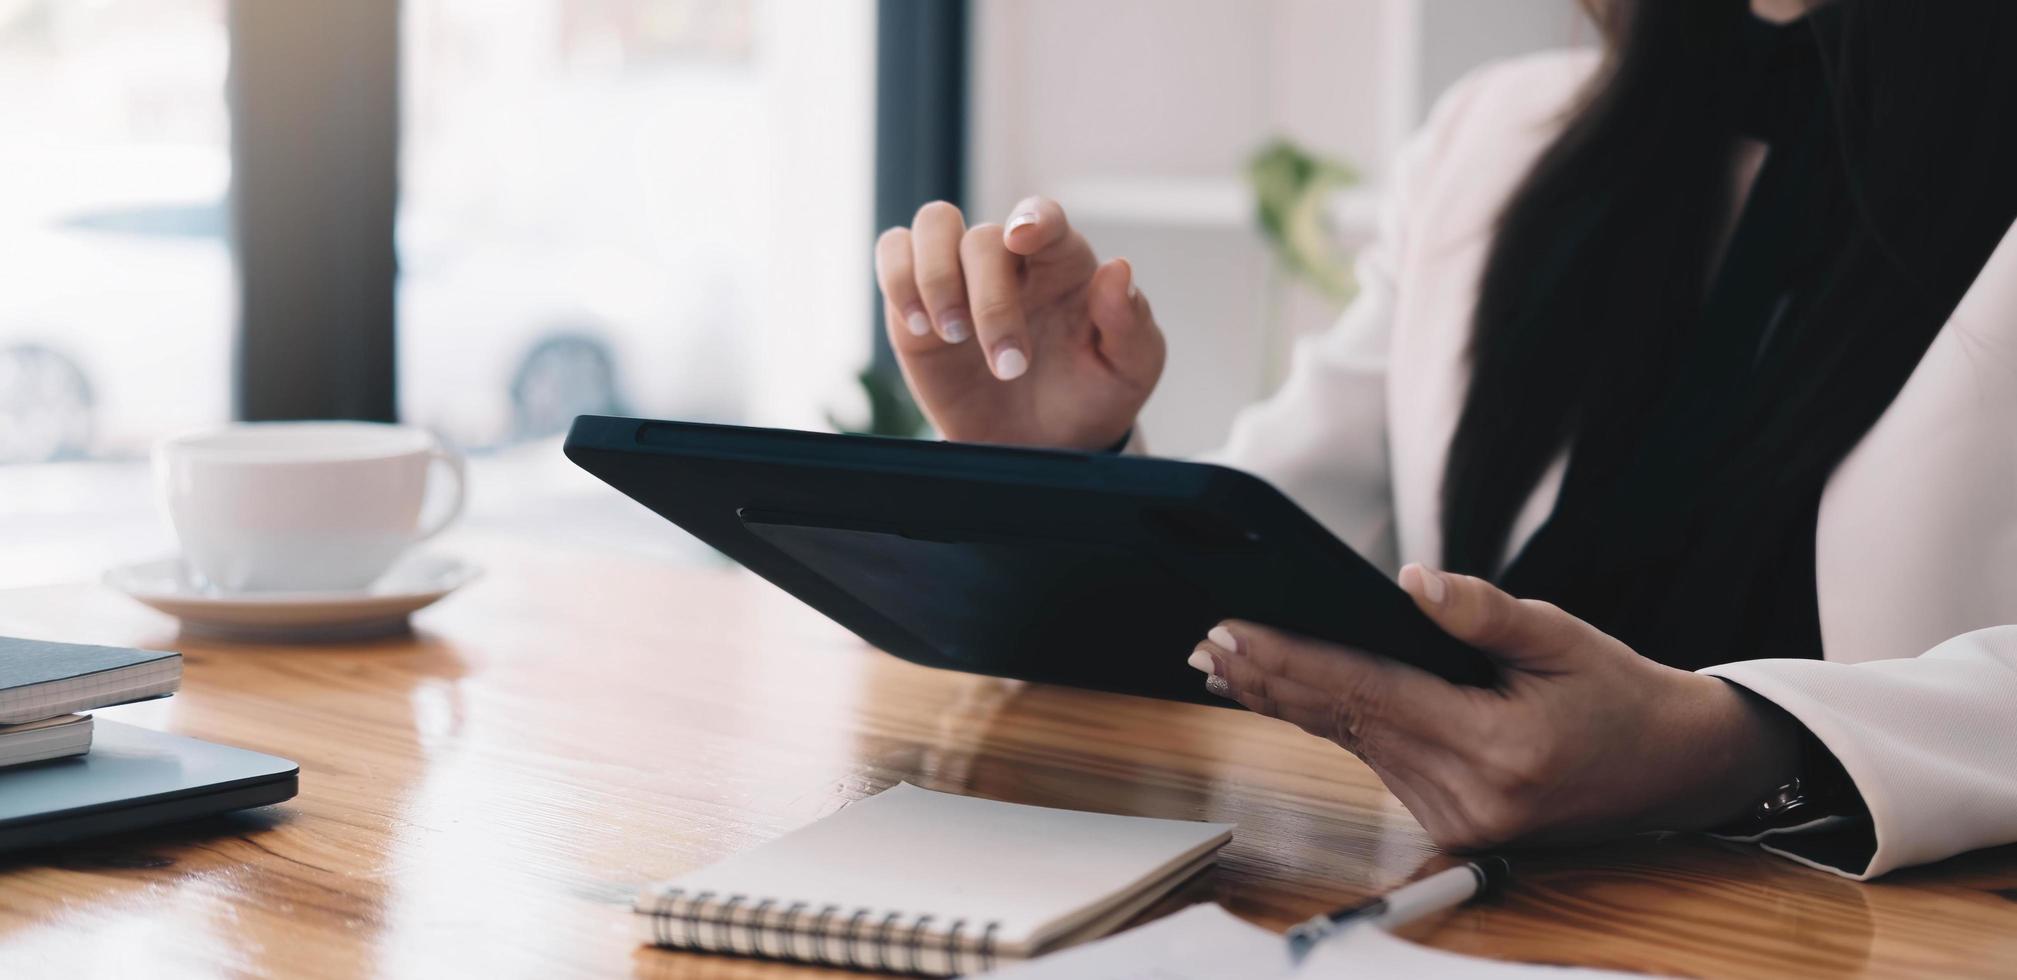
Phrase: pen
[1444,889]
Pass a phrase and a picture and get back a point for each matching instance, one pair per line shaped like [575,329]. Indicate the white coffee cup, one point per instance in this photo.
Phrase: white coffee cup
[301,506]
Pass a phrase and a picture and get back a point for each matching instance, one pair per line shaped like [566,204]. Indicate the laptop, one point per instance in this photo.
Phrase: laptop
[134,778]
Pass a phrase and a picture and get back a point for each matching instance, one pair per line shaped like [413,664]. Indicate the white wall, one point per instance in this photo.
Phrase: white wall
[813,322]
[1139,115]
[1463,34]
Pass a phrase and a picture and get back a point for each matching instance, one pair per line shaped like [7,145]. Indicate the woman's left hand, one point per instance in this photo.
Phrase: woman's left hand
[1581,739]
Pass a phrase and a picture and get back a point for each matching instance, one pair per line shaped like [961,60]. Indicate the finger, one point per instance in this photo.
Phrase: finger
[910,326]
[1322,713]
[1277,697]
[1415,768]
[1034,224]
[907,358]
[1525,632]
[941,285]
[1367,693]
[1127,336]
[993,283]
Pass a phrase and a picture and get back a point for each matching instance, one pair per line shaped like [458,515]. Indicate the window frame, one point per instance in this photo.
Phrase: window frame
[923,50]
[313,98]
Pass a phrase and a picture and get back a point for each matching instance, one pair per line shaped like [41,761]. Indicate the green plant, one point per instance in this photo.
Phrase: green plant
[1292,188]
[890,409]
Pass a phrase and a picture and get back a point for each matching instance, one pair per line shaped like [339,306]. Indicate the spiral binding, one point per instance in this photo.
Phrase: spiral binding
[712,924]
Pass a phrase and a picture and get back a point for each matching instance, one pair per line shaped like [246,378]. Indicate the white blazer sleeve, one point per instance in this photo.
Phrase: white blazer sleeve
[1930,742]
[1322,437]
[1917,549]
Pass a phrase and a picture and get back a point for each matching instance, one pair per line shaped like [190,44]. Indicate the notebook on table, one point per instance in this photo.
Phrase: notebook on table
[914,881]
[39,679]
[40,741]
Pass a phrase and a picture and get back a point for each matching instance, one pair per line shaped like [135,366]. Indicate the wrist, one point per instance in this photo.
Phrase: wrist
[1104,439]
[1736,749]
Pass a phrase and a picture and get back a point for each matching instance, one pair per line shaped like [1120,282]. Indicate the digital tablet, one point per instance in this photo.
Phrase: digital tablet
[1086,569]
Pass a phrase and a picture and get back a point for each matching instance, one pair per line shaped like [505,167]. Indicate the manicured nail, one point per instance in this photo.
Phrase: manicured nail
[1433,587]
[1128,269]
[918,323]
[955,330]
[1017,220]
[1217,685]
[1009,364]
[1201,661]
[1224,638]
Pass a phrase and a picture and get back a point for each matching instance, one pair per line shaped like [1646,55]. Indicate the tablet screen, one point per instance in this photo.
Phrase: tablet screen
[987,603]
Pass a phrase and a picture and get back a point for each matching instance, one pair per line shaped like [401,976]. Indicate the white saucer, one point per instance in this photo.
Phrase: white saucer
[380,609]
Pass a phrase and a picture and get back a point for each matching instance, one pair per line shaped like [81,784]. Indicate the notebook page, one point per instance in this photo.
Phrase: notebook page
[1369,952]
[1203,942]
[1206,942]
[36,726]
[918,852]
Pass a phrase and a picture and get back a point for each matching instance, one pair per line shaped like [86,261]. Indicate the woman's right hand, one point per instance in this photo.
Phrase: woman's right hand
[1017,333]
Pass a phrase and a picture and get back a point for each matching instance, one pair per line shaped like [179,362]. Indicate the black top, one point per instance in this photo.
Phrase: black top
[1645,480]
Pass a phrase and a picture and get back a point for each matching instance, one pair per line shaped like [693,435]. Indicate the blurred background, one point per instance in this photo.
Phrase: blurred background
[487,216]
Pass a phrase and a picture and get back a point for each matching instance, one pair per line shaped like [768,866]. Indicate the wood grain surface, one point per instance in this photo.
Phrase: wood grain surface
[483,799]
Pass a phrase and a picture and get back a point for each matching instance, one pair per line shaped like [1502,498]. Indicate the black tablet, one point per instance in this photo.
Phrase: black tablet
[1085,569]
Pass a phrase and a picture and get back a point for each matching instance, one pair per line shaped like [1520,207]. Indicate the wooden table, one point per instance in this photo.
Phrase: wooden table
[484,798]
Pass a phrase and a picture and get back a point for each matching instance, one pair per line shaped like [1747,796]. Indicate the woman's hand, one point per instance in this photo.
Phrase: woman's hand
[1582,739]
[1017,334]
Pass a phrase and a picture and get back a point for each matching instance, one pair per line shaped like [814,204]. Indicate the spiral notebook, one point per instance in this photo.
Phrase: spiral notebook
[914,881]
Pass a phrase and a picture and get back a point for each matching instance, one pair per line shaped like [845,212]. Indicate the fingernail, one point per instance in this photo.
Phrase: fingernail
[1433,587]
[1217,685]
[1017,220]
[955,330]
[1128,269]
[1009,364]
[1202,661]
[1224,638]
[918,323]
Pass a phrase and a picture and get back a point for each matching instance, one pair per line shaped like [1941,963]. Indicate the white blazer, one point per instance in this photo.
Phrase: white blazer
[1915,551]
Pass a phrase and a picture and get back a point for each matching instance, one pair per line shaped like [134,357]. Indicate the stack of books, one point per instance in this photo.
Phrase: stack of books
[44,686]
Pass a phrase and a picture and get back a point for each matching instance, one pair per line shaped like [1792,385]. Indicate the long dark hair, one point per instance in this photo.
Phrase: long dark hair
[1594,291]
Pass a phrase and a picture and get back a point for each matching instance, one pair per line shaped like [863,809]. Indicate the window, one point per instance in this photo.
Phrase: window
[117,318]
[653,207]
